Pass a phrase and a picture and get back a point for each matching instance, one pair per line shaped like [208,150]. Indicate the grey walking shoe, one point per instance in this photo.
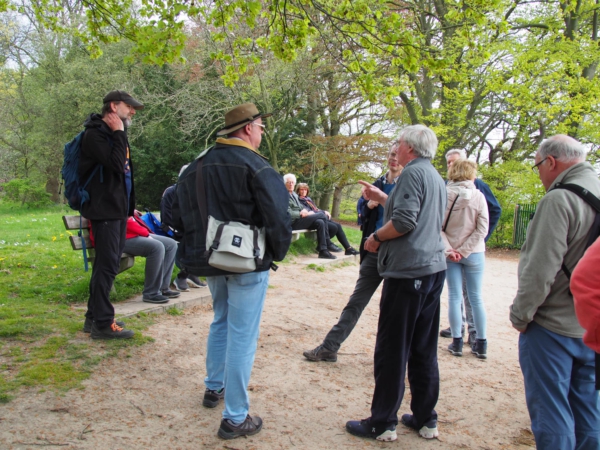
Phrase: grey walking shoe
[456,347]
[480,348]
[320,354]
[181,285]
[447,332]
[157,298]
[212,398]
[195,282]
[170,294]
[250,426]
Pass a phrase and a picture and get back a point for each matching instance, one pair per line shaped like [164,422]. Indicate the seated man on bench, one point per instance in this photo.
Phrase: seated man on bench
[335,229]
[303,218]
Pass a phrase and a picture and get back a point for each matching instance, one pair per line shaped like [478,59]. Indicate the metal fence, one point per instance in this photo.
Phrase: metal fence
[523,215]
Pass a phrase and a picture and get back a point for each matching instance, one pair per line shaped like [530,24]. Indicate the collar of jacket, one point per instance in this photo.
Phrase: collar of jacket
[238,143]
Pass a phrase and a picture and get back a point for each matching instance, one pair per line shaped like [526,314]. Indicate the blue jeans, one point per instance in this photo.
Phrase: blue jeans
[559,389]
[237,303]
[472,268]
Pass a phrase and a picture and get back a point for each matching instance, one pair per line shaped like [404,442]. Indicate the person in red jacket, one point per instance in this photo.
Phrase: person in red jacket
[585,286]
[159,252]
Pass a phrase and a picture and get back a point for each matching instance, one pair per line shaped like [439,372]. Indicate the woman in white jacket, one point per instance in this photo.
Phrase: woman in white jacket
[464,230]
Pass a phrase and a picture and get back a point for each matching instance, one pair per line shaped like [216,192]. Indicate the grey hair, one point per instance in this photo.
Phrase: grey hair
[182,169]
[421,139]
[291,176]
[462,154]
[563,148]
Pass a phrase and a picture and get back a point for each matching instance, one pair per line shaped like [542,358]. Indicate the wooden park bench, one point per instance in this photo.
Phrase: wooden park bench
[308,234]
[72,225]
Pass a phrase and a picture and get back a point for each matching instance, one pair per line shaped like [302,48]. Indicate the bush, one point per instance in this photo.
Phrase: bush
[27,193]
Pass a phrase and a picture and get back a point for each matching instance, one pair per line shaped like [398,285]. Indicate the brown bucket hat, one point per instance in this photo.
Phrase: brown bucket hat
[122,96]
[240,116]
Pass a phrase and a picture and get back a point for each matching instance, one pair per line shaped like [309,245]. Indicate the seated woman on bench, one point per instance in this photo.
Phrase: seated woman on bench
[334,228]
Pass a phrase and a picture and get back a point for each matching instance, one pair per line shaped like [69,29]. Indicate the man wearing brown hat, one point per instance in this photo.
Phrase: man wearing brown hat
[105,157]
[239,185]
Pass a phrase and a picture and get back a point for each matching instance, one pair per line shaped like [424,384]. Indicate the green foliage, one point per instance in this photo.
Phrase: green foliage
[512,183]
[27,193]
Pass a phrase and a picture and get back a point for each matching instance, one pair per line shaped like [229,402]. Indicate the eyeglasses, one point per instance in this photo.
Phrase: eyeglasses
[536,168]
[259,124]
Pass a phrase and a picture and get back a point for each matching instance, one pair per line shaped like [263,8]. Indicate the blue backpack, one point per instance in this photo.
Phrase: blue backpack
[155,226]
[75,192]
[74,189]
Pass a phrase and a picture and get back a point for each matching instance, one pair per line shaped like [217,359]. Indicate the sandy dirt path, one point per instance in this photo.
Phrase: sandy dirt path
[150,398]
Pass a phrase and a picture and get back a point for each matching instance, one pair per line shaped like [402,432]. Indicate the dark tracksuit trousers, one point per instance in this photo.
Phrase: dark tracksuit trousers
[407,334]
[366,285]
[109,239]
[316,221]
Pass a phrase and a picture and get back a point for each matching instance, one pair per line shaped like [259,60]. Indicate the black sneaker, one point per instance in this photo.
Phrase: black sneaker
[212,398]
[113,331]
[363,428]
[181,285]
[87,325]
[324,254]
[250,426]
[158,298]
[479,349]
[170,294]
[195,282]
[447,333]
[350,251]
[334,248]
[320,354]
[456,347]
[472,338]
[428,430]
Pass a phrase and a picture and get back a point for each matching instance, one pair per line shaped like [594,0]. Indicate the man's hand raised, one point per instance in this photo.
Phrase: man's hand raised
[373,193]
[113,121]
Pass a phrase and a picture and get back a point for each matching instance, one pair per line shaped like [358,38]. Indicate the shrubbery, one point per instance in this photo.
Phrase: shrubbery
[27,193]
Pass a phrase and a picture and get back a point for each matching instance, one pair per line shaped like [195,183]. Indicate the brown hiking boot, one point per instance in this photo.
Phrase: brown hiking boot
[320,354]
[250,426]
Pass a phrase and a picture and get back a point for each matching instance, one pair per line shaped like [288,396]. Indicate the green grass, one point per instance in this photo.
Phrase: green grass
[43,292]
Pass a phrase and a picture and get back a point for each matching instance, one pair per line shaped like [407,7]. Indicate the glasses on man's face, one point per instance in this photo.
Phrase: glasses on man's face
[259,124]
[536,167]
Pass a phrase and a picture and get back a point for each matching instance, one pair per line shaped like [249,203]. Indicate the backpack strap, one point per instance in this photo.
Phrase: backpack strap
[591,200]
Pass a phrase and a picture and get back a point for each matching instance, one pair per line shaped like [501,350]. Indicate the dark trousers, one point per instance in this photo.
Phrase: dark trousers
[335,229]
[109,237]
[366,285]
[318,222]
[407,333]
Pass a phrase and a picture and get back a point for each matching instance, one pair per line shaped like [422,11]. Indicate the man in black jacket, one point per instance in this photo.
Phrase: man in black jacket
[239,185]
[112,200]
[368,278]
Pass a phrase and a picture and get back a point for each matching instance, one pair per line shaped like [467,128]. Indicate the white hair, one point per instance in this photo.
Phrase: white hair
[182,169]
[563,148]
[421,139]
[462,154]
[289,176]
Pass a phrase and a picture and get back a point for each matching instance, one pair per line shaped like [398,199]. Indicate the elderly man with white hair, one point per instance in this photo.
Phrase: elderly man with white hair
[412,262]
[558,368]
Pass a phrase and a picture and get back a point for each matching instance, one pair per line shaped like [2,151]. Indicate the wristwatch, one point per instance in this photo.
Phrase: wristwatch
[376,237]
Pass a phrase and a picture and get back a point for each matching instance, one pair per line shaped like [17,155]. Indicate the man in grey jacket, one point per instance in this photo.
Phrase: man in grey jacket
[412,262]
[558,369]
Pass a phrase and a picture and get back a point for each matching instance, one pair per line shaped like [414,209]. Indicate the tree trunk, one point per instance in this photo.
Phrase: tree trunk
[337,201]
[325,200]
